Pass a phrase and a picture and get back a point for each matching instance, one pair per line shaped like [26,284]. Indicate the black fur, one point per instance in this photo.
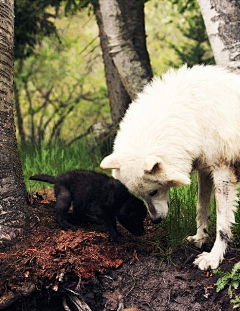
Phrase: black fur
[95,196]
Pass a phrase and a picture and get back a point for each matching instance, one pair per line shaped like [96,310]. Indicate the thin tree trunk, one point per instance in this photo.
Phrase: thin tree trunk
[222,20]
[119,25]
[118,96]
[13,194]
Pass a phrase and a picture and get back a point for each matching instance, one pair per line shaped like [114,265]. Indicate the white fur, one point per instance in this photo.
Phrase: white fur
[188,116]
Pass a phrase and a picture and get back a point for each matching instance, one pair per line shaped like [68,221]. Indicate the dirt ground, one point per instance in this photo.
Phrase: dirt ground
[51,269]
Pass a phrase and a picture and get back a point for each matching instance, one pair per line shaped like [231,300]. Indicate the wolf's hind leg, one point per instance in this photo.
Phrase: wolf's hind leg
[205,185]
[63,197]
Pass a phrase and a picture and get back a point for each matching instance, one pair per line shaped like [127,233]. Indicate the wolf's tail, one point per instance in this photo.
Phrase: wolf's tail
[44,177]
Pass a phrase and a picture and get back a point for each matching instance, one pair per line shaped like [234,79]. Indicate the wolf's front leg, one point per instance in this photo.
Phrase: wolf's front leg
[205,185]
[226,202]
[110,226]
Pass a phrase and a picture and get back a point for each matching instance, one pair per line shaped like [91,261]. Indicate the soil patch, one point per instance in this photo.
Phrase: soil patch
[50,269]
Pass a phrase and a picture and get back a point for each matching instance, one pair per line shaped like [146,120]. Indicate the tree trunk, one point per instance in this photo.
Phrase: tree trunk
[222,20]
[123,25]
[13,194]
[118,96]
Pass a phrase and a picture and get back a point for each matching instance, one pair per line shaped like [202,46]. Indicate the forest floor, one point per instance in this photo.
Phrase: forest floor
[51,269]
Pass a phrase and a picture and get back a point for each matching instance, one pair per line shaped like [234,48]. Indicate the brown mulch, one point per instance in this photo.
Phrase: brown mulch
[46,268]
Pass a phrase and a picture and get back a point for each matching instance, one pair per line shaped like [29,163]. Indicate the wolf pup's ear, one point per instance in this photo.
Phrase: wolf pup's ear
[110,162]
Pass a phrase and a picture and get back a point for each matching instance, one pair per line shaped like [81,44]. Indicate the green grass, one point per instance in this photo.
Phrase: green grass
[180,222]
[56,159]
[183,209]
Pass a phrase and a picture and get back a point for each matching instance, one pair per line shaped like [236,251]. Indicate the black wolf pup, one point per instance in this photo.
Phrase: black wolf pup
[97,197]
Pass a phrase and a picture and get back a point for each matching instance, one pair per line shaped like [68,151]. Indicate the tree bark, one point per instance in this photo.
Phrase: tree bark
[117,94]
[13,194]
[123,24]
[222,20]
[19,116]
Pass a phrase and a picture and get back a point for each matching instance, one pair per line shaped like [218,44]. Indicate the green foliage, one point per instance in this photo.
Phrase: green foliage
[236,301]
[176,34]
[32,23]
[61,87]
[35,20]
[185,5]
[161,32]
[196,48]
[230,280]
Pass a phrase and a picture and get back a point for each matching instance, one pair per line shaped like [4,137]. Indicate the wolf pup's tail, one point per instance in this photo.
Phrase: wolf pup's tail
[44,177]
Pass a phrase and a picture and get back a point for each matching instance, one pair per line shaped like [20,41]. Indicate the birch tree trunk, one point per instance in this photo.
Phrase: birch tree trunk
[13,194]
[123,24]
[222,20]
[118,96]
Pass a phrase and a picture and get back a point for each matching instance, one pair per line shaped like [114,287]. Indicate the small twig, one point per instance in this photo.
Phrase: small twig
[120,306]
[78,284]
[130,290]
[169,296]
[120,303]
[79,304]
[65,306]
[71,291]
[107,277]
[188,259]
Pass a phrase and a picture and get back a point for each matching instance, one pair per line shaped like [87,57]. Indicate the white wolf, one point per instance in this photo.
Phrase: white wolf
[189,119]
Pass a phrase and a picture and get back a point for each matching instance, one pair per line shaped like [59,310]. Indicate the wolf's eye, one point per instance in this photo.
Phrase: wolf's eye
[153,193]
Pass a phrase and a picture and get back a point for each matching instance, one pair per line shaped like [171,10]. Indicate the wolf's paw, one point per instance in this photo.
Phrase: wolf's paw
[197,240]
[206,261]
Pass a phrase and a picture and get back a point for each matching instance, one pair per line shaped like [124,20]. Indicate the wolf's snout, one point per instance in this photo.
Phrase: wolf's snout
[156,220]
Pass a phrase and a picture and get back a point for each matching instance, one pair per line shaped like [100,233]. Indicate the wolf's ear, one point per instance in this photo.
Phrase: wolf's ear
[110,162]
[153,165]
[178,179]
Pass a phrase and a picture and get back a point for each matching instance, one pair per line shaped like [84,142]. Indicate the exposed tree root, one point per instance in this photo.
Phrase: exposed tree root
[10,297]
